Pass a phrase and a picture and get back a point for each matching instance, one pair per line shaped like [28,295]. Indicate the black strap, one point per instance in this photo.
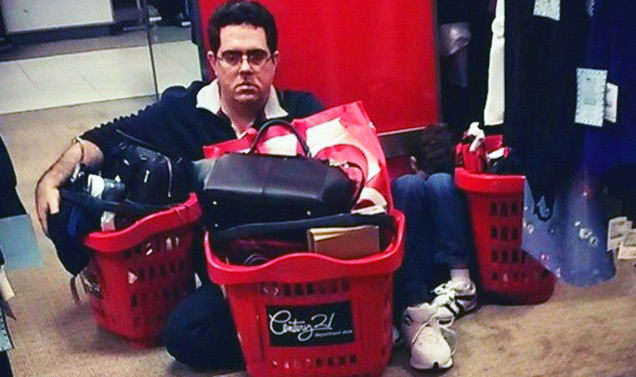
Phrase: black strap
[125,207]
[247,231]
[147,145]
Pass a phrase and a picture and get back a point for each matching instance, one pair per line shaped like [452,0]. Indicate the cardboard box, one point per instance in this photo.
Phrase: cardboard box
[345,243]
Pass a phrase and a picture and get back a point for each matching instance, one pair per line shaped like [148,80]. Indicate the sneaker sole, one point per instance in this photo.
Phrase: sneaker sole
[433,366]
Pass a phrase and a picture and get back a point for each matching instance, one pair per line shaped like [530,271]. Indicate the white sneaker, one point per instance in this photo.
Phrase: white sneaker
[431,344]
[454,299]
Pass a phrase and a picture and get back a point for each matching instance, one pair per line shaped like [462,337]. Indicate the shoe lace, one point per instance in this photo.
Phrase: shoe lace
[444,329]
[448,288]
[445,298]
[445,294]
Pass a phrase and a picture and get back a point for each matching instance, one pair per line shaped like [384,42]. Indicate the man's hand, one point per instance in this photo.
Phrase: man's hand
[47,201]
[47,192]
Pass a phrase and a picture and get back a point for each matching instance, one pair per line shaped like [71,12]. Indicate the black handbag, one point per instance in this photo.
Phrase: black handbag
[250,187]
[149,182]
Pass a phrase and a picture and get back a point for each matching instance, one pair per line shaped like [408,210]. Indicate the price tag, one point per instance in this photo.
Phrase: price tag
[627,249]
[611,102]
[590,96]
[616,229]
[548,8]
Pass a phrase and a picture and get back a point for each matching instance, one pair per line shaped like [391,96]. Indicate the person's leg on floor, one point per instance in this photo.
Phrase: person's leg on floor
[410,195]
[429,342]
[200,331]
[452,244]
[453,235]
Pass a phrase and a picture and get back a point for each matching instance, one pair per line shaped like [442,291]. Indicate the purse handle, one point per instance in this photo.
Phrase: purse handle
[287,125]
[306,151]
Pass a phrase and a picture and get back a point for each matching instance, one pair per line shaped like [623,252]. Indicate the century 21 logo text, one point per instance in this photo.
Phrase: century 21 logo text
[282,322]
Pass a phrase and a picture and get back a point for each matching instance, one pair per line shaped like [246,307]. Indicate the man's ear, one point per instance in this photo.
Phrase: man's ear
[211,57]
[275,57]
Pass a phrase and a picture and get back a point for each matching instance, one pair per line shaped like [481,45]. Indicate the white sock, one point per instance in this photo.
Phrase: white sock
[460,275]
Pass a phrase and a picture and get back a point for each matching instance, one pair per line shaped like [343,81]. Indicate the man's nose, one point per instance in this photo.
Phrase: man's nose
[245,65]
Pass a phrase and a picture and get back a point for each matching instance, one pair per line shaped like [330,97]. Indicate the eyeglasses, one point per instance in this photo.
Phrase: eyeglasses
[234,58]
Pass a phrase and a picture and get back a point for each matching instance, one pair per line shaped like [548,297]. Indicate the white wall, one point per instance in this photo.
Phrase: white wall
[32,15]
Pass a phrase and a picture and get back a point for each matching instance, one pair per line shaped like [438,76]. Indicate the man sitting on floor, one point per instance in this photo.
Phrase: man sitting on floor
[244,54]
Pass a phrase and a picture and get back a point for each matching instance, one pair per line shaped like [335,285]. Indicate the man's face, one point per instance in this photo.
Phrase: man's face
[244,65]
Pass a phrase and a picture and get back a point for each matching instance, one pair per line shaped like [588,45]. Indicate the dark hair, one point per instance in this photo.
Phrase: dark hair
[434,150]
[238,12]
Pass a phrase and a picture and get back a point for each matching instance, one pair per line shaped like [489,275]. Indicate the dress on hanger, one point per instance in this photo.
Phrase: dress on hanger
[564,215]
[610,151]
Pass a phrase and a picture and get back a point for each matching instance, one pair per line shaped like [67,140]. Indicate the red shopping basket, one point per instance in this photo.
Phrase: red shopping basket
[136,276]
[507,272]
[306,314]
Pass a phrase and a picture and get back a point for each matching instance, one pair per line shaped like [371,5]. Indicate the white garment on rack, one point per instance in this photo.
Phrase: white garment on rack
[494,109]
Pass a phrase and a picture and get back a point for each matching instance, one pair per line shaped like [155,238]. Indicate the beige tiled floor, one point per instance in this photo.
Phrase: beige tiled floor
[94,76]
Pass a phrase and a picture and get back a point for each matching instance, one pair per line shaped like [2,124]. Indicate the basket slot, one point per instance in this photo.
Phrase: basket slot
[515,256]
[147,250]
[504,209]
[334,287]
[345,285]
[335,361]
[514,208]
[287,290]
[504,233]
[318,288]
[151,273]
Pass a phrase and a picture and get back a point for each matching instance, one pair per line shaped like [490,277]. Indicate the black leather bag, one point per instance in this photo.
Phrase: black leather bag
[149,174]
[250,187]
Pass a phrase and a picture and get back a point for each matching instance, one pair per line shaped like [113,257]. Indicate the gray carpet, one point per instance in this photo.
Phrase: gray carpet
[579,332]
